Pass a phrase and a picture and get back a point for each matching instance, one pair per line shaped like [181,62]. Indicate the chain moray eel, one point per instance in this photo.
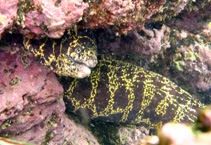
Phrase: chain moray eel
[116,91]
[73,55]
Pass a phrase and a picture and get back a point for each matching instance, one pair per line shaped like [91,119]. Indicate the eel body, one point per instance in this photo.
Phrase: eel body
[116,91]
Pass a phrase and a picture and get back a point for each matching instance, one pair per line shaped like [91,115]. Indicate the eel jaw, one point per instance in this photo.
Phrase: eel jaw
[69,67]
[84,68]
[91,63]
[83,71]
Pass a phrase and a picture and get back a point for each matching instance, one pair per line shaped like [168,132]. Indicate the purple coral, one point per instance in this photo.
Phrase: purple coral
[31,107]
[8,14]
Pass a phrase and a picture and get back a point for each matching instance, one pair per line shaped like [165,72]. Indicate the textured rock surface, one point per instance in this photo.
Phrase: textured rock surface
[58,130]
[192,59]
[31,107]
[194,18]
[145,42]
[121,15]
[50,17]
[8,14]
[169,10]
[131,136]
[20,86]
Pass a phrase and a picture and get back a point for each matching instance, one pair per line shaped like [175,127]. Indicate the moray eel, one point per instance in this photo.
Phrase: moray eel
[116,91]
[73,55]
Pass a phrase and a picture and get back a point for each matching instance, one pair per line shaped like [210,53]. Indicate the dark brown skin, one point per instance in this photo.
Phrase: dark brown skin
[73,55]
[120,92]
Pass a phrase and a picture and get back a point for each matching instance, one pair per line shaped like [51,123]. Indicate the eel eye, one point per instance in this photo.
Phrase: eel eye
[78,50]
[90,53]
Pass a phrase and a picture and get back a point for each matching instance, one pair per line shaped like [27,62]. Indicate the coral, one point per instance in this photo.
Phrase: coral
[145,42]
[31,107]
[130,136]
[192,59]
[168,10]
[194,18]
[50,17]
[123,16]
[8,14]
[140,46]
[58,130]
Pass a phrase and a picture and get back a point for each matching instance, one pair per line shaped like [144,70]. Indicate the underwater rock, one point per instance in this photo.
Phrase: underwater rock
[194,18]
[73,55]
[58,130]
[122,16]
[191,60]
[145,42]
[8,14]
[27,96]
[131,136]
[31,107]
[169,10]
[50,17]
[120,92]
[23,89]
[40,18]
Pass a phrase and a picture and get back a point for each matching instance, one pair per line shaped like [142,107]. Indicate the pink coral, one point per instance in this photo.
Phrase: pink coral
[122,15]
[52,17]
[60,131]
[8,14]
[31,106]
[22,89]
[194,57]
[192,20]
[144,43]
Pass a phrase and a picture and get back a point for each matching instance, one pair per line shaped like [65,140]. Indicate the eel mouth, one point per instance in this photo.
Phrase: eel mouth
[83,72]
[91,63]
[84,69]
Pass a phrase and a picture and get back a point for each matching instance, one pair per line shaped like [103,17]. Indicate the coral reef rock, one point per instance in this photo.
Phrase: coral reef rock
[50,17]
[145,42]
[194,18]
[122,15]
[8,14]
[31,105]
[191,60]
[130,136]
